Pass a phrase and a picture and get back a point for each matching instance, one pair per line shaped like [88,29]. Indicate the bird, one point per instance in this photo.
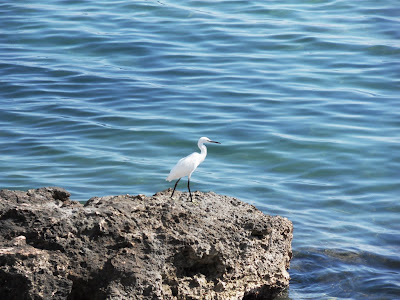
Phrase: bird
[187,165]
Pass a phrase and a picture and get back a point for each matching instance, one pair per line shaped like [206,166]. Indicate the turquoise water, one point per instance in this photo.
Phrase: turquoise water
[103,97]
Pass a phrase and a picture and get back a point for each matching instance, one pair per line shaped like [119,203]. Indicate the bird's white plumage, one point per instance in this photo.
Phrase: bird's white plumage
[187,165]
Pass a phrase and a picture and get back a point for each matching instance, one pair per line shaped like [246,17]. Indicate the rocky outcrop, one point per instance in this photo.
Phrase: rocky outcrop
[138,247]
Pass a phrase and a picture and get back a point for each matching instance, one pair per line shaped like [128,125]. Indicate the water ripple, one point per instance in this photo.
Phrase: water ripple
[104,97]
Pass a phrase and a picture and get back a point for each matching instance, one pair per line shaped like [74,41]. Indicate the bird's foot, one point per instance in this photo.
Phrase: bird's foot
[195,202]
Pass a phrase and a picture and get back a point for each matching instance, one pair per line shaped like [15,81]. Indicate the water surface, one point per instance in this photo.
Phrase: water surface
[102,98]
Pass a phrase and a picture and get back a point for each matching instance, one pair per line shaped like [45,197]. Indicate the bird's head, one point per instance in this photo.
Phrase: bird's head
[204,139]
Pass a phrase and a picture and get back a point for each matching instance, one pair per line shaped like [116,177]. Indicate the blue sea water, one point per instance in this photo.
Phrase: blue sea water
[103,97]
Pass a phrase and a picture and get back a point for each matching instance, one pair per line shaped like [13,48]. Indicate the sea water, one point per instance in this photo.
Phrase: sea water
[104,97]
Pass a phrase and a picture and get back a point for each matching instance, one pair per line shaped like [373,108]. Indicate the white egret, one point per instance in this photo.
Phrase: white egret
[187,165]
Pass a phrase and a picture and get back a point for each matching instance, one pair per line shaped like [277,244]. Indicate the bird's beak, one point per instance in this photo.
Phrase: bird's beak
[214,142]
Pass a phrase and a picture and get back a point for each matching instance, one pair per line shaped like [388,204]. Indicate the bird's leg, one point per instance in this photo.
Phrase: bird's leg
[190,193]
[175,188]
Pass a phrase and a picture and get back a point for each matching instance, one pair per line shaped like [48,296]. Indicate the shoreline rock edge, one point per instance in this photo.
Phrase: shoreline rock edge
[138,247]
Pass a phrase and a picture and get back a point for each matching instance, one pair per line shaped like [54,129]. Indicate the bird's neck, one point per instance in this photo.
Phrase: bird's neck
[203,151]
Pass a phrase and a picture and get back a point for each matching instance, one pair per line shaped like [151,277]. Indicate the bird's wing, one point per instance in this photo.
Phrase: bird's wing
[184,167]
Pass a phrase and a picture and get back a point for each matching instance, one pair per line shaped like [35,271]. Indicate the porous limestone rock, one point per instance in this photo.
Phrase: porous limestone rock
[138,247]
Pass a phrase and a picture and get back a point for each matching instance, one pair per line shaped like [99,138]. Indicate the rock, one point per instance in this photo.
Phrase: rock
[138,247]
